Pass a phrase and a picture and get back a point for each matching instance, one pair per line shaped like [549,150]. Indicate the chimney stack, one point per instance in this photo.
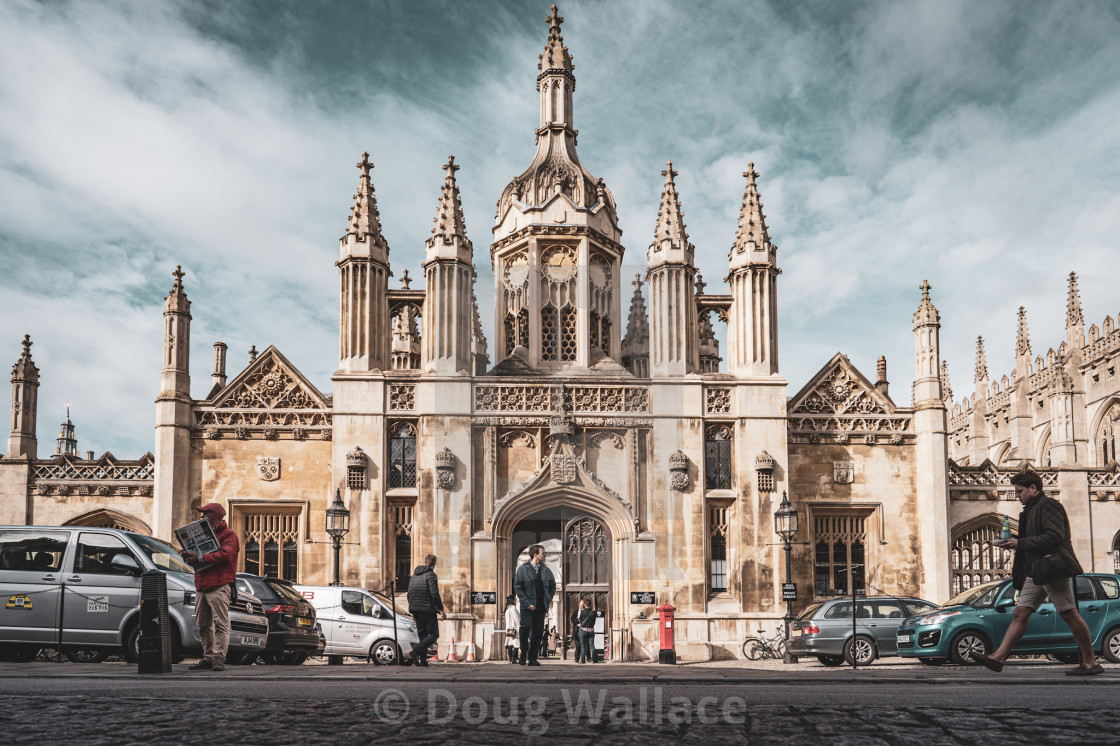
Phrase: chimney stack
[219,376]
[881,385]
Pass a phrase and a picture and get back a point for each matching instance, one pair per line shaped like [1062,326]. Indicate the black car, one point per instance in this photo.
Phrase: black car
[292,631]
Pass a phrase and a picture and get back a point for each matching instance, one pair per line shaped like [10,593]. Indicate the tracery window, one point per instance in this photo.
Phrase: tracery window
[270,537]
[839,554]
[1107,434]
[558,309]
[600,285]
[717,458]
[717,547]
[402,455]
[515,280]
[1116,554]
[975,558]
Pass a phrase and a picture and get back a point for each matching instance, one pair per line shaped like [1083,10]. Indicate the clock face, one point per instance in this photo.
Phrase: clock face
[600,274]
[517,274]
[559,263]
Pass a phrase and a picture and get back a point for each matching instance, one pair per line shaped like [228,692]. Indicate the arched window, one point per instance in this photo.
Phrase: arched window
[1107,432]
[717,458]
[1116,554]
[976,559]
[402,455]
[558,303]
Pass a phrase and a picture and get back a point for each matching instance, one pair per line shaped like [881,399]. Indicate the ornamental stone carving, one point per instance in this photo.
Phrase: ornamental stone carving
[764,462]
[843,472]
[563,468]
[445,469]
[678,471]
[268,468]
[357,458]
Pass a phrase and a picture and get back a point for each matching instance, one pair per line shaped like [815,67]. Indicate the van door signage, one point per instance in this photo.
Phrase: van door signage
[19,601]
[484,597]
[97,605]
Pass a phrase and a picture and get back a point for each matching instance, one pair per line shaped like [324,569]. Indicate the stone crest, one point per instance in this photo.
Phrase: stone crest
[445,469]
[268,468]
[563,468]
[843,472]
[678,471]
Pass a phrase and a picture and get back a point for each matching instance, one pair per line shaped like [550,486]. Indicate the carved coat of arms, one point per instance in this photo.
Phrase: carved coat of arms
[843,472]
[268,468]
[563,468]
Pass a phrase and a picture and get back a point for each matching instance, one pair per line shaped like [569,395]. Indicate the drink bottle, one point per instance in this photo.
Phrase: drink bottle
[1005,532]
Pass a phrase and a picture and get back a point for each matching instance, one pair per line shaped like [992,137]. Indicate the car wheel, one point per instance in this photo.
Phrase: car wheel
[753,649]
[86,656]
[1111,647]
[861,649]
[931,661]
[965,644]
[132,644]
[832,661]
[383,653]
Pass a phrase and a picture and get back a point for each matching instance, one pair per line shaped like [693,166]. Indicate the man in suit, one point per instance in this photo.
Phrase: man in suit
[535,586]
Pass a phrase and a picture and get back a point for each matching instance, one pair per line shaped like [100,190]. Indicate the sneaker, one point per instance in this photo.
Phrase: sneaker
[534,663]
[203,664]
[1084,671]
[217,666]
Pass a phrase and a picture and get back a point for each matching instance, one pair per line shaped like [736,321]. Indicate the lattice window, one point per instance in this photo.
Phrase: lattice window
[594,329]
[402,455]
[402,525]
[765,481]
[717,458]
[976,559]
[717,547]
[568,335]
[270,537]
[1116,554]
[839,550]
[550,334]
[717,401]
[517,330]
[402,396]
[605,335]
[558,313]
[356,477]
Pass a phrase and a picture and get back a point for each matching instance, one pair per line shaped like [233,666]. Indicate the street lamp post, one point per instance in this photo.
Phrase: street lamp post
[785,525]
[338,525]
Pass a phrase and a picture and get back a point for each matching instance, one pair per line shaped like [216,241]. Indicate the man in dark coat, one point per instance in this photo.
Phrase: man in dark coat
[535,586]
[1045,565]
[424,604]
[214,584]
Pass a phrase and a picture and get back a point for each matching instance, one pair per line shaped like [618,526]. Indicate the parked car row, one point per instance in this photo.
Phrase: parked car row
[972,622]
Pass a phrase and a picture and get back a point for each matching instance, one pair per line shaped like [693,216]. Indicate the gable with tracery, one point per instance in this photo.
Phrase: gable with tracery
[839,400]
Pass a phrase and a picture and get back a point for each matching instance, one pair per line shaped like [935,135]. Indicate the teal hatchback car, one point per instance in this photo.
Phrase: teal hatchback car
[974,622]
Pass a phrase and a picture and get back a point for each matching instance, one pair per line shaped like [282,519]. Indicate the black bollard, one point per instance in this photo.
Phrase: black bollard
[155,626]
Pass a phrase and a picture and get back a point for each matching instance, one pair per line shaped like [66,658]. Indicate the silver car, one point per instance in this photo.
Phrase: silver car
[78,589]
[826,629]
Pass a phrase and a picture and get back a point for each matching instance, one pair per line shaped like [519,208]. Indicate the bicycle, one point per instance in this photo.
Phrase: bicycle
[757,648]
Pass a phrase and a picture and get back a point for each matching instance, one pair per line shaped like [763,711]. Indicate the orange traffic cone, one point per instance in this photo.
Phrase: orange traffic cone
[470,653]
[451,652]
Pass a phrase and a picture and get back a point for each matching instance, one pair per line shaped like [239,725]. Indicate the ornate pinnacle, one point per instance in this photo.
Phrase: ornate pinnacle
[637,283]
[637,325]
[364,218]
[555,55]
[700,284]
[365,165]
[24,369]
[1023,339]
[1073,304]
[176,301]
[405,280]
[449,223]
[670,233]
[946,389]
[554,21]
[927,314]
[981,361]
[751,232]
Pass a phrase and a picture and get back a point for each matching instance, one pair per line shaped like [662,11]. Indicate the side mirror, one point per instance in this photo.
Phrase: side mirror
[124,564]
[377,612]
[1002,608]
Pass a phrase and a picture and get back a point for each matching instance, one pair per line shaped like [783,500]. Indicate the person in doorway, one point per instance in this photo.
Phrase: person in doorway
[583,622]
[513,627]
[424,604]
[553,642]
[214,584]
[535,586]
[1045,565]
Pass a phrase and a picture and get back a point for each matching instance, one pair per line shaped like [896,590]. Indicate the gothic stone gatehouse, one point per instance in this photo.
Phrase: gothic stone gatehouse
[640,466]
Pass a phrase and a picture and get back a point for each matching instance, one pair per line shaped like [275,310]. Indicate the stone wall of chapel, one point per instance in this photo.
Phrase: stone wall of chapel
[885,480]
[226,470]
[55,510]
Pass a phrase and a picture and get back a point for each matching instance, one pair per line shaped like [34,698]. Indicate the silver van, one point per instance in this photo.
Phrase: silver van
[359,623]
[78,589]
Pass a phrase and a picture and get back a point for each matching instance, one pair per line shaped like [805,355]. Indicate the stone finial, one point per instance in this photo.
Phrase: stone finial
[927,314]
[1023,337]
[365,222]
[24,370]
[946,389]
[176,301]
[981,361]
[637,326]
[669,234]
[449,223]
[555,55]
[700,284]
[405,280]
[1074,316]
[752,233]
[252,353]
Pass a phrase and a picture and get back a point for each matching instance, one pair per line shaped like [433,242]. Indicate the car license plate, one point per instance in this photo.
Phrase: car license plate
[254,641]
[304,621]
[904,638]
[795,632]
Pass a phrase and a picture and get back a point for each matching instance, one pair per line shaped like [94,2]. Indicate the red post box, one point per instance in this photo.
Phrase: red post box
[668,653]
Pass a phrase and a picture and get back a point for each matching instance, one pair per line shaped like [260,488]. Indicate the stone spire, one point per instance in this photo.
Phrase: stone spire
[22,440]
[365,222]
[449,236]
[176,380]
[752,234]
[669,235]
[981,375]
[67,441]
[635,346]
[1075,320]
[709,346]
[927,313]
[1022,346]
[555,55]
[946,388]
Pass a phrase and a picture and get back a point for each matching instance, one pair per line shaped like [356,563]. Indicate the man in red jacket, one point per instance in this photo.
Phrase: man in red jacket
[214,585]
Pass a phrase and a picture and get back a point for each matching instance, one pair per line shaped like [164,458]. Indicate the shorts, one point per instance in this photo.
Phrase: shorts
[1060,592]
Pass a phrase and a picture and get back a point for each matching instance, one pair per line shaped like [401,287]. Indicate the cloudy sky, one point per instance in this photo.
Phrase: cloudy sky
[973,144]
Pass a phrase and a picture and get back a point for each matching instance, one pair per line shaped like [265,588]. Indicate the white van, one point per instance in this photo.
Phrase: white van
[359,623]
[78,589]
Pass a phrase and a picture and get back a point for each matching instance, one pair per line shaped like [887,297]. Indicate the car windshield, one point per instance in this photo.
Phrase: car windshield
[981,595]
[284,591]
[161,555]
[808,613]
